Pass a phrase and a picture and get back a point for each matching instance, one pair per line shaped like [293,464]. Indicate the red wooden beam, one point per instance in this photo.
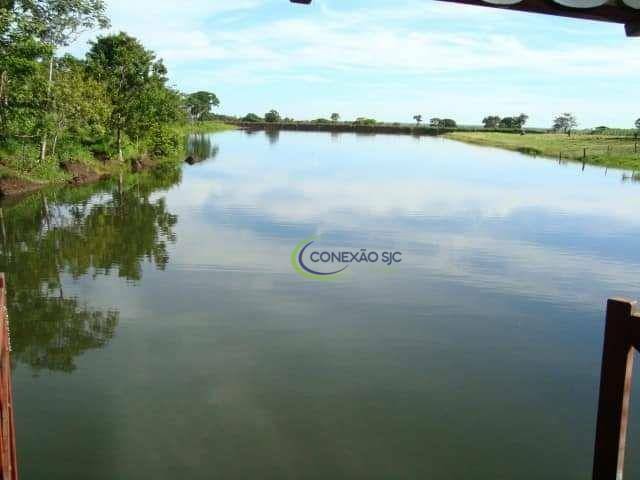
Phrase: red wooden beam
[8,461]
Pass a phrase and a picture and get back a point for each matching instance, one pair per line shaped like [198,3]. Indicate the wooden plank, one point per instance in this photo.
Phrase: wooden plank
[615,389]
[8,454]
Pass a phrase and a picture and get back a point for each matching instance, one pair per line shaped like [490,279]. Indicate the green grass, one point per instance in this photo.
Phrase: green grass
[604,150]
[201,127]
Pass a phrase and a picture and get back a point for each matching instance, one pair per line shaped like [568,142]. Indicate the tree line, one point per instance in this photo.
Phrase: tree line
[116,99]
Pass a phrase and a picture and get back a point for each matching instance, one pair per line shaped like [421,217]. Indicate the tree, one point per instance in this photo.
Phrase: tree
[272,116]
[418,119]
[58,23]
[565,123]
[200,103]
[637,124]
[435,122]
[80,104]
[335,117]
[365,121]
[491,121]
[521,120]
[127,69]
[508,123]
[251,117]
[449,123]
[22,84]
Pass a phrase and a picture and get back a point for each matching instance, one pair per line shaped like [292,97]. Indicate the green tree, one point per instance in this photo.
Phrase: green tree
[418,119]
[565,123]
[335,117]
[508,122]
[272,116]
[365,121]
[22,86]
[491,121]
[80,104]
[637,124]
[59,22]
[521,120]
[129,72]
[251,117]
[200,103]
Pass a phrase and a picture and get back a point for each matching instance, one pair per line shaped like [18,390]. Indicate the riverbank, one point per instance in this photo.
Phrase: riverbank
[602,150]
[365,128]
[86,167]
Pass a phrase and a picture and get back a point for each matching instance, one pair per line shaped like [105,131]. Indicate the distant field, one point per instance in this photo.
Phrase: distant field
[616,151]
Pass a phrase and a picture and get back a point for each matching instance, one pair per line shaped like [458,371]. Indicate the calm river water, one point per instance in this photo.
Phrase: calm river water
[160,330]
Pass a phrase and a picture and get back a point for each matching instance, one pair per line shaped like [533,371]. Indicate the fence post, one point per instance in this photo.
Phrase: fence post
[615,388]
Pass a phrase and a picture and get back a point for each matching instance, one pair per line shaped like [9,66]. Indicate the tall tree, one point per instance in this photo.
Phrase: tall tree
[565,123]
[637,124]
[21,86]
[521,120]
[335,117]
[272,116]
[418,119]
[59,22]
[200,103]
[127,69]
[491,121]
[80,103]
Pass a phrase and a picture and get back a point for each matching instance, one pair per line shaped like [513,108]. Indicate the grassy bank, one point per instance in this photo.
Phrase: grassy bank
[356,127]
[603,150]
[22,172]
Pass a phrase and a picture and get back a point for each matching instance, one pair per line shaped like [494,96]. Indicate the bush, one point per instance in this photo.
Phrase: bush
[163,141]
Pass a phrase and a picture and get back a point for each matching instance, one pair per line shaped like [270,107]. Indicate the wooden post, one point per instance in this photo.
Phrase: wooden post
[615,388]
[8,462]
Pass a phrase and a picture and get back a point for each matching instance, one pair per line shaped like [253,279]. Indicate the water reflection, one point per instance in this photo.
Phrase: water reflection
[200,147]
[92,231]
[273,135]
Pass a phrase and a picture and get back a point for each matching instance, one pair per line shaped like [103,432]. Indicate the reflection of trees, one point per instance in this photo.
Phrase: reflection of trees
[273,135]
[201,148]
[94,230]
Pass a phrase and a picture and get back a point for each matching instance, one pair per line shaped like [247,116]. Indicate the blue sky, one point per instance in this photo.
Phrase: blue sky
[389,59]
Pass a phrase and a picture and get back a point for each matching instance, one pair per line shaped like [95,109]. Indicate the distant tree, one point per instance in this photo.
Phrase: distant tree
[492,121]
[637,124]
[288,120]
[435,123]
[251,117]
[601,129]
[200,103]
[335,117]
[565,123]
[521,120]
[321,120]
[449,123]
[508,122]
[365,121]
[272,116]
[418,119]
